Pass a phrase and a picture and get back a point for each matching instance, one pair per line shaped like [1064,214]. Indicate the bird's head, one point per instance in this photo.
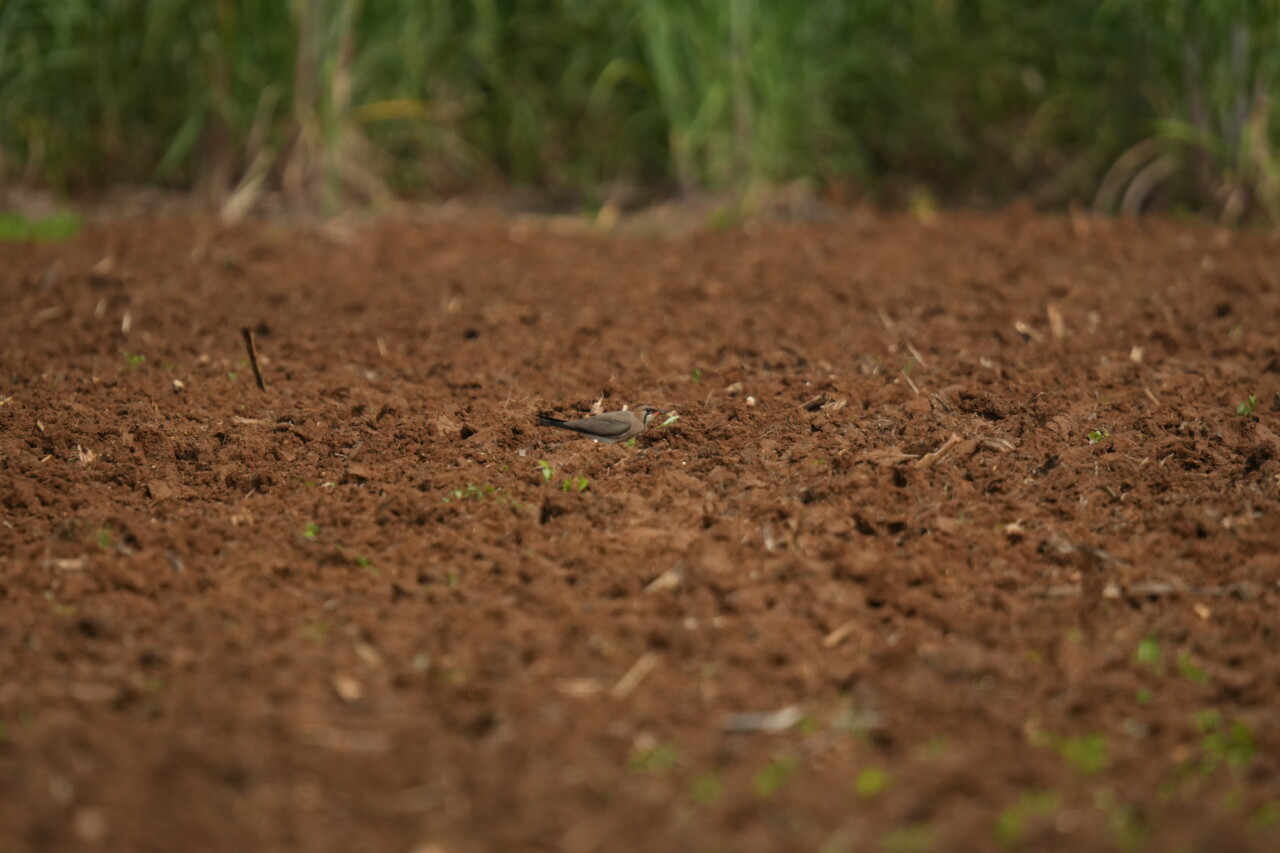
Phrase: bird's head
[648,413]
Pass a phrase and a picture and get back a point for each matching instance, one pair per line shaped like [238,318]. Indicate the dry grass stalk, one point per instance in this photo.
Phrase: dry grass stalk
[249,344]
[931,459]
[638,672]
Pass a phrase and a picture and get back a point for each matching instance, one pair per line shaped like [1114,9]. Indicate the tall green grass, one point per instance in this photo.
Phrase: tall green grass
[1127,104]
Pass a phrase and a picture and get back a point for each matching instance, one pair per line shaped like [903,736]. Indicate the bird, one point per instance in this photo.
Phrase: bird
[609,427]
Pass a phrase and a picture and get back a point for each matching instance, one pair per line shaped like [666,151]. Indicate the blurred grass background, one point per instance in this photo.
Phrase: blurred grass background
[1122,104]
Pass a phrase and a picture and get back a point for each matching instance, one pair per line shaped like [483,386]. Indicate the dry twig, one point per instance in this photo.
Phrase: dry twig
[249,344]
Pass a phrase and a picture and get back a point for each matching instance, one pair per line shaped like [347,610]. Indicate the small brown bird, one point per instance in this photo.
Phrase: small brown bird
[610,427]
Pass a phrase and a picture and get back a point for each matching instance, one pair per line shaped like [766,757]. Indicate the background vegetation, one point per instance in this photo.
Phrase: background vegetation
[1124,103]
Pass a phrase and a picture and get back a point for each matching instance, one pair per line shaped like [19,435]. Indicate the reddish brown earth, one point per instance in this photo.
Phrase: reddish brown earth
[351,613]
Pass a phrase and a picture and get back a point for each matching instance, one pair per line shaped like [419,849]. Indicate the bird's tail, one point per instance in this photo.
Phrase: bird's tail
[543,420]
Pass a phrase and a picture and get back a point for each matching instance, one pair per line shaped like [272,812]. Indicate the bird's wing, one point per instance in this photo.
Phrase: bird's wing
[609,424]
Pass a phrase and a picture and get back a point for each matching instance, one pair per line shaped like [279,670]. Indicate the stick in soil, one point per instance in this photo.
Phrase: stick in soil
[249,344]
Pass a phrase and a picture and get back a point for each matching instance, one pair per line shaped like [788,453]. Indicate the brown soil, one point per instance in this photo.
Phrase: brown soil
[351,612]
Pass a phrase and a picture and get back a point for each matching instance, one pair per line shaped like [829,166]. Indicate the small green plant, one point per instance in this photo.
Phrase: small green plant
[544,468]
[1267,815]
[1190,670]
[315,632]
[580,483]
[669,421]
[1207,720]
[1148,653]
[1232,745]
[774,775]
[723,218]
[151,684]
[450,676]
[695,375]
[1011,824]
[1098,435]
[104,538]
[656,759]
[14,227]
[1126,828]
[912,838]
[1246,407]
[472,492]
[871,782]
[707,788]
[631,442]
[936,746]
[1144,696]
[451,579]
[310,530]
[133,360]
[1087,754]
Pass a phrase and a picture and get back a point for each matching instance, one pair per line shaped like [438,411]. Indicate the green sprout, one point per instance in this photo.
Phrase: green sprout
[1190,670]
[1148,653]
[14,227]
[579,483]
[314,631]
[871,782]
[104,538]
[1246,407]
[936,746]
[774,775]
[310,530]
[912,838]
[134,359]
[471,492]
[1088,754]
[1268,814]
[696,375]
[1097,435]
[1011,823]
[1207,720]
[544,468]
[656,759]
[1233,745]
[707,788]
[1126,826]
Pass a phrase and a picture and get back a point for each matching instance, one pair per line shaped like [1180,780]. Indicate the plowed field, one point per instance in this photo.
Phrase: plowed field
[967,537]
